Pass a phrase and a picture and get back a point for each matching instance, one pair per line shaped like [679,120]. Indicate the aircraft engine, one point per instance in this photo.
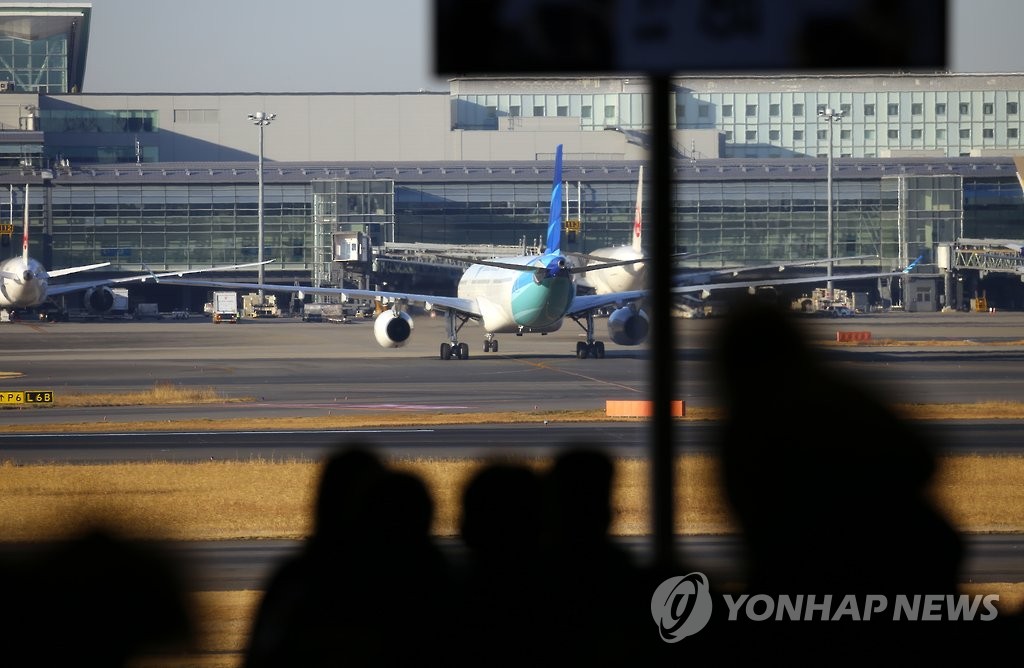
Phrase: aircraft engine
[98,300]
[392,328]
[628,326]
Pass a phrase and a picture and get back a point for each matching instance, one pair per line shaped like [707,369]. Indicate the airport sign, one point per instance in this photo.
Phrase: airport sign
[8,397]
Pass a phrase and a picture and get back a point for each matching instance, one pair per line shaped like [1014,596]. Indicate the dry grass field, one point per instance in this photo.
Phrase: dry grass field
[264,499]
[271,499]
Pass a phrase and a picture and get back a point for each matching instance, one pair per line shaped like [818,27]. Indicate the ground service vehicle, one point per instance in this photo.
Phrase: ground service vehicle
[148,310]
[225,306]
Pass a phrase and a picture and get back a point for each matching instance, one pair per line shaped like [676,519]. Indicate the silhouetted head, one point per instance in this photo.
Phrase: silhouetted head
[579,487]
[399,509]
[501,509]
[347,476]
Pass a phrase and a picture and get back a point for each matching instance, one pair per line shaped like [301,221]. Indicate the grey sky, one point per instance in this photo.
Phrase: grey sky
[298,46]
[290,46]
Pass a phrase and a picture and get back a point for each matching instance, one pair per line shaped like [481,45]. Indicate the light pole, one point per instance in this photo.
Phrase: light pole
[260,119]
[831,116]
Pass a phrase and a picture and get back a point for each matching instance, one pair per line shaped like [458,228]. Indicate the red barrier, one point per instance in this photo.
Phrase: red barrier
[638,408]
[843,337]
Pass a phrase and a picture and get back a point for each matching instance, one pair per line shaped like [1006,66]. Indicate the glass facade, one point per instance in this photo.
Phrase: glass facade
[117,124]
[727,222]
[39,65]
[170,227]
[778,124]
[758,222]
[100,120]
[992,209]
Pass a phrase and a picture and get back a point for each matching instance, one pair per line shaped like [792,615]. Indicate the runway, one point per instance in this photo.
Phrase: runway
[287,367]
[527,440]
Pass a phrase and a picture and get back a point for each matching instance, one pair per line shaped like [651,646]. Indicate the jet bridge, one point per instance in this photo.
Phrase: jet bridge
[966,261]
[984,256]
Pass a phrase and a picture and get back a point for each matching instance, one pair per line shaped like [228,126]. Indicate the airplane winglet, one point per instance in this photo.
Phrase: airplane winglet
[913,264]
[151,273]
[554,239]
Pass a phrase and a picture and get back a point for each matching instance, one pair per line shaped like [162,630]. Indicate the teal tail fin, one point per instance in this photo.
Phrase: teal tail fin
[554,240]
[913,264]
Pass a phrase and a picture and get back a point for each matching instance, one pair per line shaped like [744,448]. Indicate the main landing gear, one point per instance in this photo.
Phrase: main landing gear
[453,348]
[457,350]
[585,350]
[590,347]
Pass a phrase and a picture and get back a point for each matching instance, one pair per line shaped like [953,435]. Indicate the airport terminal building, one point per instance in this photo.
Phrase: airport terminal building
[922,165]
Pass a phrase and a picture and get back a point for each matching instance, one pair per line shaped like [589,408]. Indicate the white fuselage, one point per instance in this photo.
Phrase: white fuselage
[511,301]
[614,279]
[23,284]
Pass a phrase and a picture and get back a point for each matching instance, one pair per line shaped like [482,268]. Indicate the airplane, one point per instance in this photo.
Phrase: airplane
[508,295]
[617,277]
[25,283]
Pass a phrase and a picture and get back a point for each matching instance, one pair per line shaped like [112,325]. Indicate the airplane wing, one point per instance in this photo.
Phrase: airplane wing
[65,288]
[467,307]
[781,266]
[583,303]
[708,287]
[75,270]
[614,262]
[572,270]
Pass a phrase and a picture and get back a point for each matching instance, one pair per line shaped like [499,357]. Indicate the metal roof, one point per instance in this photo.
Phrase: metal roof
[734,169]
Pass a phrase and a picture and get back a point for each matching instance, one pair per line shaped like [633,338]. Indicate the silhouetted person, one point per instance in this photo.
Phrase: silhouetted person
[502,588]
[368,588]
[96,599]
[597,610]
[290,622]
[397,590]
[829,488]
